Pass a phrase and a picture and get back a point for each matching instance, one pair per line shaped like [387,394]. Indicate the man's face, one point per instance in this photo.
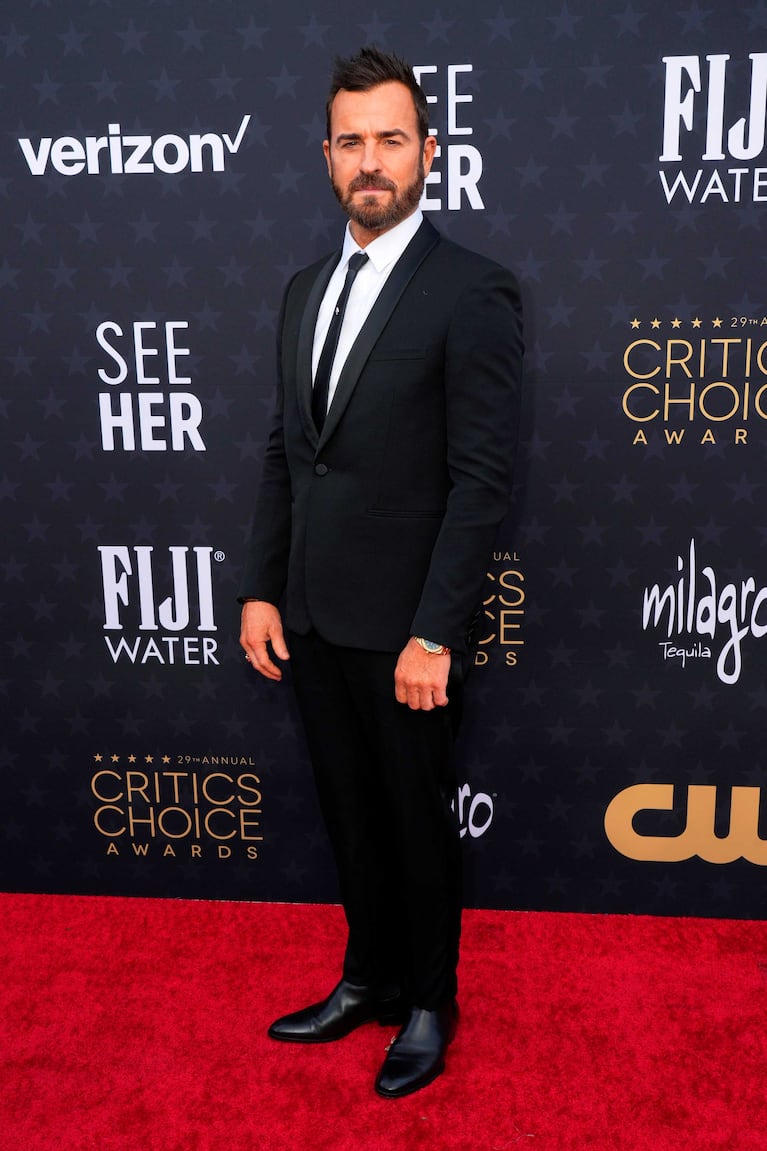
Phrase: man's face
[375,160]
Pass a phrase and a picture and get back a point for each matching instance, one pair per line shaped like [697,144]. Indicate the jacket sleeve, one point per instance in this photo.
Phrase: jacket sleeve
[482,379]
[266,562]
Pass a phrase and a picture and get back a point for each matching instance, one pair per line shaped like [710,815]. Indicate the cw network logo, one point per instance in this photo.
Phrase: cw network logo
[133,155]
[698,837]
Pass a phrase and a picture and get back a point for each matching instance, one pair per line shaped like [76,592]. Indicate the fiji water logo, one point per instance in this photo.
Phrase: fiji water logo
[158,605]
[724,158]
[698,608]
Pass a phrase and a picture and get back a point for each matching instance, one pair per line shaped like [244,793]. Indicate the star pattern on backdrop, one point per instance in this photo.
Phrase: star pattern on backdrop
[571,199]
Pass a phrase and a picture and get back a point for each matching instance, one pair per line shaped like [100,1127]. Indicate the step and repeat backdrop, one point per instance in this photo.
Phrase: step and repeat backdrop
[161,178]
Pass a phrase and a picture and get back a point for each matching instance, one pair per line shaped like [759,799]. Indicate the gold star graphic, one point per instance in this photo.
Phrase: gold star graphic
[696,322]
[115,759]
[675,323]
[655,323]
[717,322]
[98,757]
[148,759]
[635,323]
[166,759]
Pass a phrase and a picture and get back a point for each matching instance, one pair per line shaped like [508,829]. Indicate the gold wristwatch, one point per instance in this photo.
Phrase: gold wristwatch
[431,647]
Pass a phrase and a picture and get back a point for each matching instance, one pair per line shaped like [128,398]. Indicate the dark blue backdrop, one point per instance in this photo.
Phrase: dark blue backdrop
[162,177]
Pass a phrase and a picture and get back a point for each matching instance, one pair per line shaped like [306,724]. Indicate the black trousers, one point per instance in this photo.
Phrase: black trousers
[385,780]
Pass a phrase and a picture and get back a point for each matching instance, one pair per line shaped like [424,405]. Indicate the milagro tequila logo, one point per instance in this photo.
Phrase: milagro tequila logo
[716,154]
[474,811]
[698,608]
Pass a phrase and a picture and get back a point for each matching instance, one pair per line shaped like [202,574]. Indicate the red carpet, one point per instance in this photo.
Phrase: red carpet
[138,1025]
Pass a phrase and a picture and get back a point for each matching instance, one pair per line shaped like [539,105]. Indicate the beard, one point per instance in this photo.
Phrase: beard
[369,213]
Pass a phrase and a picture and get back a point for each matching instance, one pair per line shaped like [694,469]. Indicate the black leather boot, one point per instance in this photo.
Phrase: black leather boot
[417,1055]
[346,1008]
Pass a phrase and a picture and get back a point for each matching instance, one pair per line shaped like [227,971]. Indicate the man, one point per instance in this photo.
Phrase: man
[386,475]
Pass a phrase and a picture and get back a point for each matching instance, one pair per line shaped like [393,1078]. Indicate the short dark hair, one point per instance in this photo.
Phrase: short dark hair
[369,68]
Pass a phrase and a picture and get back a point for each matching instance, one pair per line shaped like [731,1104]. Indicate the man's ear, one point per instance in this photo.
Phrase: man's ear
[326,150]
[429,148]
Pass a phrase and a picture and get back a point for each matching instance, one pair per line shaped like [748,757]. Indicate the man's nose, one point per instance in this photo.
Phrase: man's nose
[370,159]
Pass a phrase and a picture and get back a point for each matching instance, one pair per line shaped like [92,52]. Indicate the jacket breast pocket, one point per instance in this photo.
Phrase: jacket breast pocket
[387,354]
[407,513]
[410,480]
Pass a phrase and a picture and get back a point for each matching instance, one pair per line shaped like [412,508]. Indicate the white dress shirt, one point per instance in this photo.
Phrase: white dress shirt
[382,254]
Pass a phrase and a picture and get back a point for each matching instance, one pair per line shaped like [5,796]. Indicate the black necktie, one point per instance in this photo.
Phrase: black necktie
[325,365]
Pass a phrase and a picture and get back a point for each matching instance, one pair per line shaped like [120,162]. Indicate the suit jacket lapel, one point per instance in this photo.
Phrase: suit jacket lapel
[306,343]
[419,247]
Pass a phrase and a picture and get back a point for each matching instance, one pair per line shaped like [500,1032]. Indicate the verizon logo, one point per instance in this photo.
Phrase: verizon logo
[132,155]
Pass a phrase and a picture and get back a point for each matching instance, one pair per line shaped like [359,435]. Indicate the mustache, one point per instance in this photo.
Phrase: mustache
[372,181]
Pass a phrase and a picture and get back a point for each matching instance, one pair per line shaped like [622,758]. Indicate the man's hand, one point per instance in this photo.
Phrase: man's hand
[420,679]
[262,624]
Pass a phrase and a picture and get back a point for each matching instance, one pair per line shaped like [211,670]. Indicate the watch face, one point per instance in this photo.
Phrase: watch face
[430,646]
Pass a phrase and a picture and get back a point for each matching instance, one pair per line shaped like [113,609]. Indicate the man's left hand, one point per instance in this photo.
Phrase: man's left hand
[420,679]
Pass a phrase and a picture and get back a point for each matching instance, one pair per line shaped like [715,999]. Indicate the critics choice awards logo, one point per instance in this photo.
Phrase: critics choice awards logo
[501,620]
[709,156]
[175,806]
[704,380]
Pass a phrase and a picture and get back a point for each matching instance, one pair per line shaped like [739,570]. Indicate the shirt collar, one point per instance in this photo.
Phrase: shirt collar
[387,248]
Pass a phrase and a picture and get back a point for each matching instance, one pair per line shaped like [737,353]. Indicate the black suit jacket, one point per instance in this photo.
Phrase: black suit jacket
[382,527]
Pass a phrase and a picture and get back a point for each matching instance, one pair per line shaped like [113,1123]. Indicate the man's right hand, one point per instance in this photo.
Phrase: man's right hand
[261,625]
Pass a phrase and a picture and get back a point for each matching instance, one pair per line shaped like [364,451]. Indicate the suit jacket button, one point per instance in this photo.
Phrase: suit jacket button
[321,469]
